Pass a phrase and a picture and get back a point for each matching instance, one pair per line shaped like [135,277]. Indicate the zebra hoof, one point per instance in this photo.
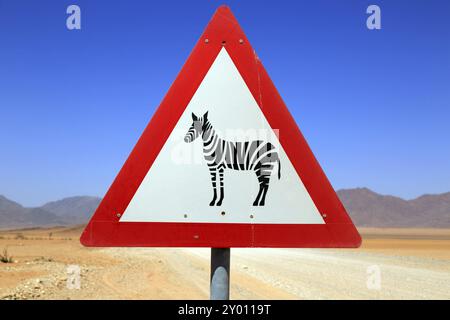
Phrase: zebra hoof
[255,204]
[219,203]
[211,204]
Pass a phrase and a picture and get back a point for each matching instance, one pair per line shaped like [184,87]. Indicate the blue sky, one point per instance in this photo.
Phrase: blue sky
[373,105]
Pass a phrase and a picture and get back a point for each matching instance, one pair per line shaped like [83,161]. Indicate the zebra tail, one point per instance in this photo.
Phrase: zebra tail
[279,169]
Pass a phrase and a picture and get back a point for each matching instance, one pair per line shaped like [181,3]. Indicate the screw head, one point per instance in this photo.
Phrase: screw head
[206,40]
[118,215]
[196,236]
[241,41]
[251,216]
[324,215]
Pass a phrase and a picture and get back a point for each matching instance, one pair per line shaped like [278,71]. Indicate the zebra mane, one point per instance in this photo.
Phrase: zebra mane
[207,127]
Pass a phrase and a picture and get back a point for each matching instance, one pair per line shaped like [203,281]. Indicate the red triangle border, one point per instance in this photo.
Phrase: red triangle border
[105,230]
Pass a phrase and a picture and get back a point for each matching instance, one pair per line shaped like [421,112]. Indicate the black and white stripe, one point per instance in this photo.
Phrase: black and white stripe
[257,155]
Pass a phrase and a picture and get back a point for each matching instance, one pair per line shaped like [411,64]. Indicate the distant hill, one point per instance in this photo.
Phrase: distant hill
[13,215]
[68,211]
[370,209]
[74,210]
[366,208]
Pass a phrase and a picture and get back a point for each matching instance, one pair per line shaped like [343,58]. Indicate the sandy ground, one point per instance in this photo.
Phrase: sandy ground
[412,264]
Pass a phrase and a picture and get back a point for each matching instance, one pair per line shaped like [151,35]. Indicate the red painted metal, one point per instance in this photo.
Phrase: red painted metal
[105,230]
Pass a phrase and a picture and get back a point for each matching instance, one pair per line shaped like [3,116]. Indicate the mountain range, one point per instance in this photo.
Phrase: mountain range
[68,211]
[370,209]
[366,208]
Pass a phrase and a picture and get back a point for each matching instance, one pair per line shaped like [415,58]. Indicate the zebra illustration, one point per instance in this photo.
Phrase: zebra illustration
[257,155]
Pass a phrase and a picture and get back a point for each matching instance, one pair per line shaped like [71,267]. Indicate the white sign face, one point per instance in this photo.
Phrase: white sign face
[222,139]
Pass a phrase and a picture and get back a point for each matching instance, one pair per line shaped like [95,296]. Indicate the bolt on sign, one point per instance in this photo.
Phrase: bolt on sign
[221,164]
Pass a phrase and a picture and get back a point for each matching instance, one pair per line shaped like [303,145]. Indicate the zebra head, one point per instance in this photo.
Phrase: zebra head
[197,127]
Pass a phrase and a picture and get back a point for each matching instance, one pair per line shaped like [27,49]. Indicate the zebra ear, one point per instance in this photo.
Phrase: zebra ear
[194,117]
[205,116]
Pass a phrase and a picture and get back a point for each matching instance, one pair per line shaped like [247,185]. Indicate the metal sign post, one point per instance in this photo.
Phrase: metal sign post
[220,274]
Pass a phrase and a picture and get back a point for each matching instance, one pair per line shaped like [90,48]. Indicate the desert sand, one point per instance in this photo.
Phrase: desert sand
[413,264]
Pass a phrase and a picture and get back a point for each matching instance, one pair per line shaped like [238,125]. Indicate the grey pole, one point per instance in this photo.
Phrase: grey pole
[220,274]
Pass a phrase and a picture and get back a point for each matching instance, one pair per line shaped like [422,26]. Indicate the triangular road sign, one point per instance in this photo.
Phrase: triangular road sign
[222,163]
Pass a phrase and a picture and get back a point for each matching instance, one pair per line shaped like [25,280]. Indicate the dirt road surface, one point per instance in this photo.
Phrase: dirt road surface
[407,267]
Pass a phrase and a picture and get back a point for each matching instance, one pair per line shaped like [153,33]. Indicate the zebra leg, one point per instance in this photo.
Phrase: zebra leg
[213,173]
[263,172]
[256,202]
[219,203]
[264,192]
